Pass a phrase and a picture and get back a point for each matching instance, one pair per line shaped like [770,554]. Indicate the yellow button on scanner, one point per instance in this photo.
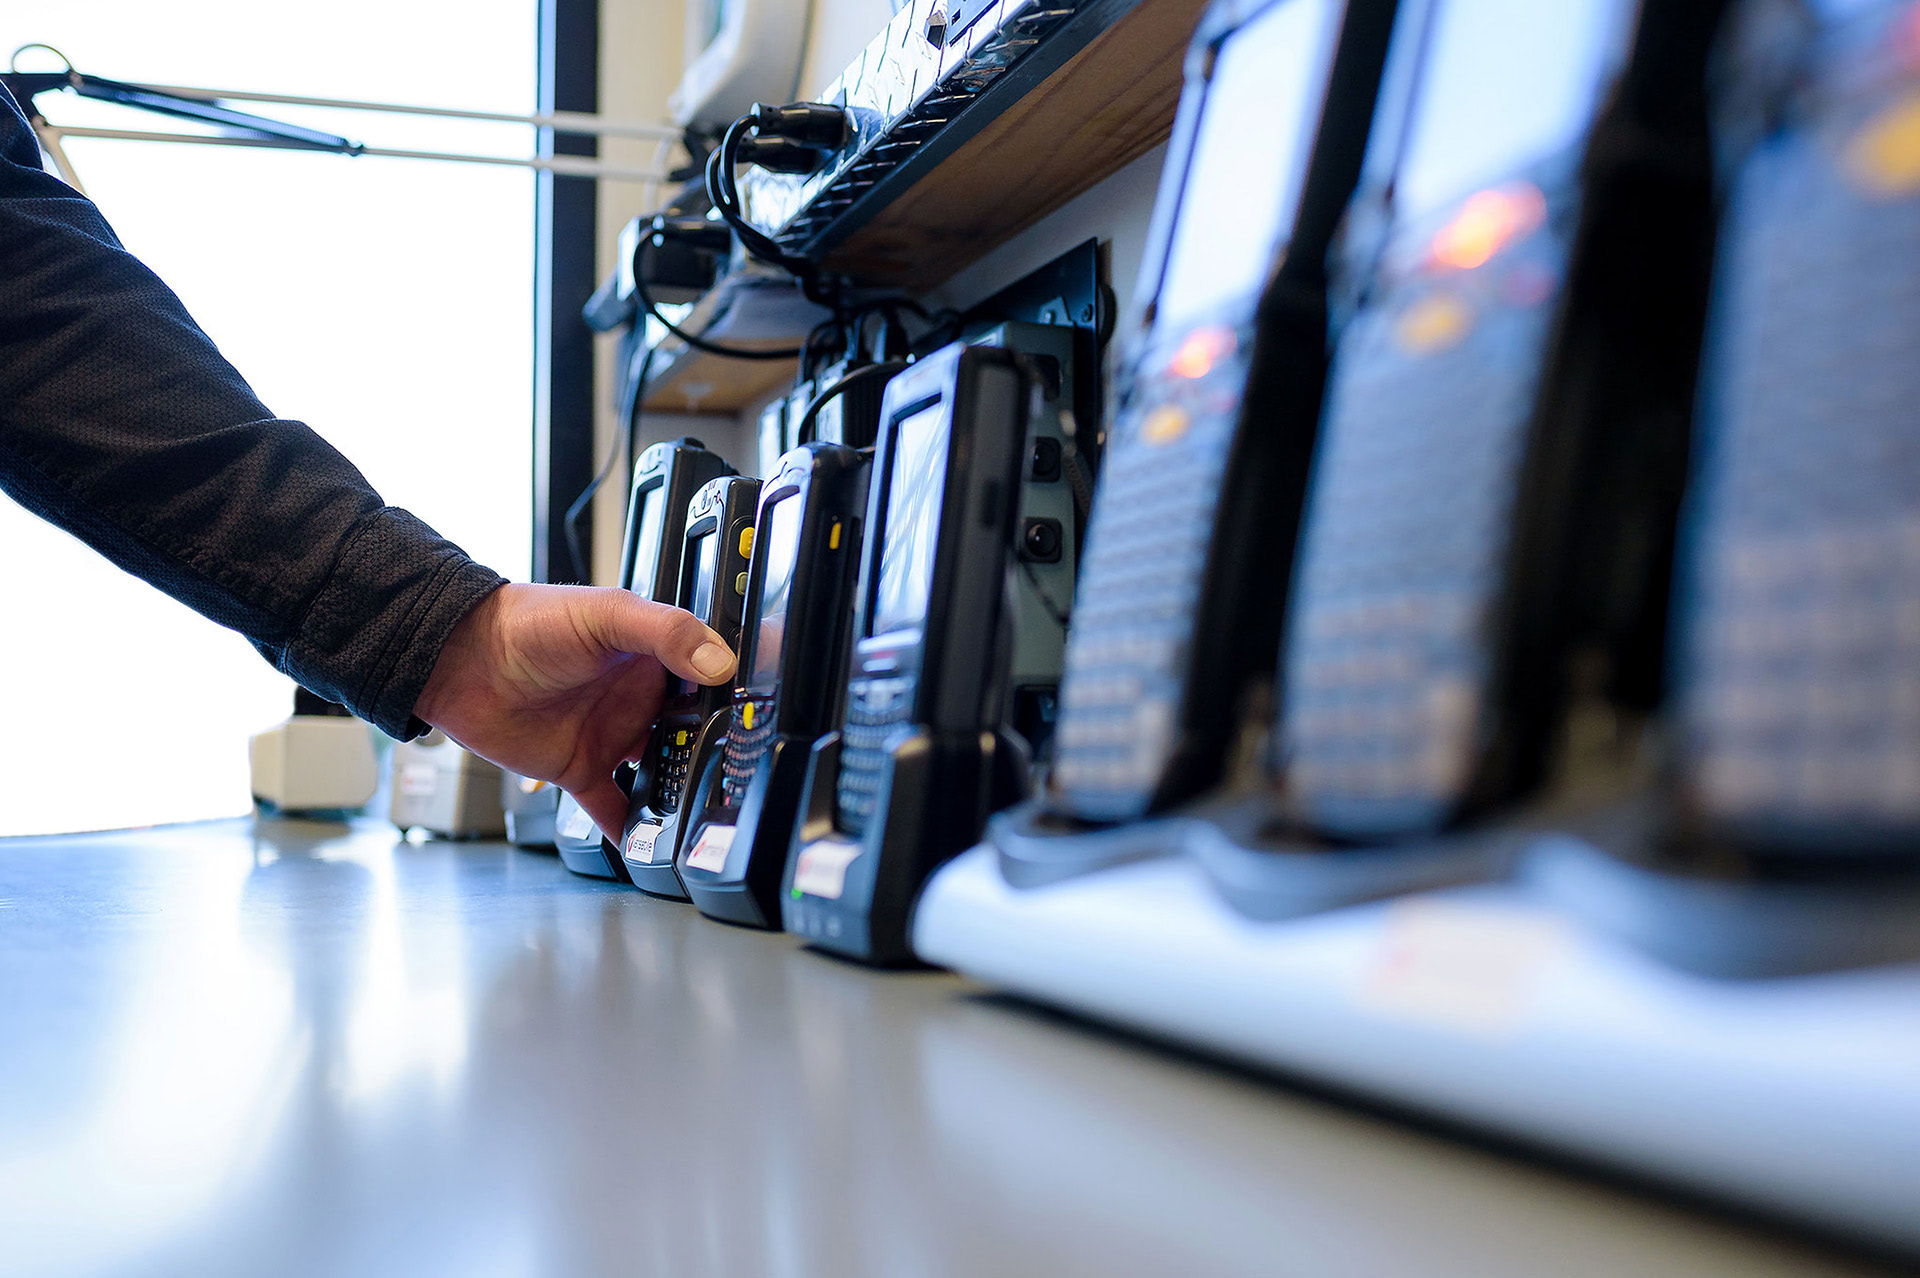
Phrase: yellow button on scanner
[746,716]
[833,536]
[740,584]
[746,542]
[680,737]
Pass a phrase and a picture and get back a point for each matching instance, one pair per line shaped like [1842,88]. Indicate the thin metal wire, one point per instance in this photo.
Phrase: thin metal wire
[579,122]
[559,121]
[564,165]
[65,62]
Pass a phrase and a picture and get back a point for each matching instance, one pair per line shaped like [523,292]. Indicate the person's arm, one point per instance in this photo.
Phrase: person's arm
[121,422]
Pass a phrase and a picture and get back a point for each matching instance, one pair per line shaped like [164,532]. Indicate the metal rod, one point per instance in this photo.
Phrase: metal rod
[566,166]
[50,143]
[560,121]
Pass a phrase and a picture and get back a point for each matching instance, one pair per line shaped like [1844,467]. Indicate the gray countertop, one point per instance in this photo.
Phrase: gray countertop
[291,1048]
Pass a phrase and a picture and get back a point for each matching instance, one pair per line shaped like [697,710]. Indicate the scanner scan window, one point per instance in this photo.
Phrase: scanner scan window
[384,302]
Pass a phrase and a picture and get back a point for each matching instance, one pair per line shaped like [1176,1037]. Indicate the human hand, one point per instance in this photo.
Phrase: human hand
[562,683]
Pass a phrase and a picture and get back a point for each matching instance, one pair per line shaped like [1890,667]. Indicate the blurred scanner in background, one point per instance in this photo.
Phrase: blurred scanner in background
[1178,612]
[1524,261]
[1482,647]
[665,478]
[1798,624]
[1785,832]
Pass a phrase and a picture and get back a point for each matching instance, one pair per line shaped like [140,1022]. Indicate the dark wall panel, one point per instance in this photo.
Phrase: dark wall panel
[564,239]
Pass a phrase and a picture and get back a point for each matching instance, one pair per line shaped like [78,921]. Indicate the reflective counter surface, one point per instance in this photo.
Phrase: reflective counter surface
[289,1048]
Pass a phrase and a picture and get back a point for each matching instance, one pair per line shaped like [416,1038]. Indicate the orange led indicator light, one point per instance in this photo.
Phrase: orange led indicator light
[1164,425]
[1203,348]
[1488,222]
[1883,158]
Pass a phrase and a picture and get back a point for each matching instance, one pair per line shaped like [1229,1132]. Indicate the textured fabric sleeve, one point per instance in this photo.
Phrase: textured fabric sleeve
[121,422]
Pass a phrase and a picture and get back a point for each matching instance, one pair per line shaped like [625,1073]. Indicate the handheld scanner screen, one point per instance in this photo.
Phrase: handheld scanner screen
[1796,653]
[888,673]
[702,562]
[1124,690]
[1398,628]
[670,749]
[780,548]
[776,553]
[915,486]
[699,566]
[1248,160]
[646,523]
[1503,86]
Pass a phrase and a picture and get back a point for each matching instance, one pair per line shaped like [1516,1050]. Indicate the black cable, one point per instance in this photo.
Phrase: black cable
[890,310]
[1079,481]
[630,418]
[1062,617]
[946,327]
[700,343]
[803,433]
[812,349]
[724,191]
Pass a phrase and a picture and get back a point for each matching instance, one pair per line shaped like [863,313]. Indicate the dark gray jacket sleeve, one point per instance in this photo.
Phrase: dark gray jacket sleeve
[120,422]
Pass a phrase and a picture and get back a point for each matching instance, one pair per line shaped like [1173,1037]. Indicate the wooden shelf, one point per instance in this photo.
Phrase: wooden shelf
[1030,143]
[696,382]
[1095,95]
[684,380]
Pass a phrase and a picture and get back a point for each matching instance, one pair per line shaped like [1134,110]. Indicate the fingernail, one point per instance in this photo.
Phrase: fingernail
[713,660]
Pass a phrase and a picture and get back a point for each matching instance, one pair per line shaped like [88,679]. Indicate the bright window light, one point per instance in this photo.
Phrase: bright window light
[386,303]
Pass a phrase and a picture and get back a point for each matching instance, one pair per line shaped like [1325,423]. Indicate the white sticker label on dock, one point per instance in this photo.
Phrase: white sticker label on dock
[640,843]
[1468,966]
[419,778]
[575,823]
[711,848]
[822,870]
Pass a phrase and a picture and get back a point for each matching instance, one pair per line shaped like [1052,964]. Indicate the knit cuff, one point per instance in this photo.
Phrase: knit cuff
[374,631]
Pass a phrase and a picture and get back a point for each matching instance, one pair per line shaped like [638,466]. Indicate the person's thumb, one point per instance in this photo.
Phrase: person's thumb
[673,636]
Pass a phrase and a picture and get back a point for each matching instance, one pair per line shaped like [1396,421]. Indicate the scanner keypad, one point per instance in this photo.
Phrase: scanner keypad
[672,759]
[1799,616]
[745,745]
[1391,640]
[1140,580]
[876,709]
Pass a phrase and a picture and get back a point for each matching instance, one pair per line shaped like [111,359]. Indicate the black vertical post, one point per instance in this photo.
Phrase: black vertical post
[564,243]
